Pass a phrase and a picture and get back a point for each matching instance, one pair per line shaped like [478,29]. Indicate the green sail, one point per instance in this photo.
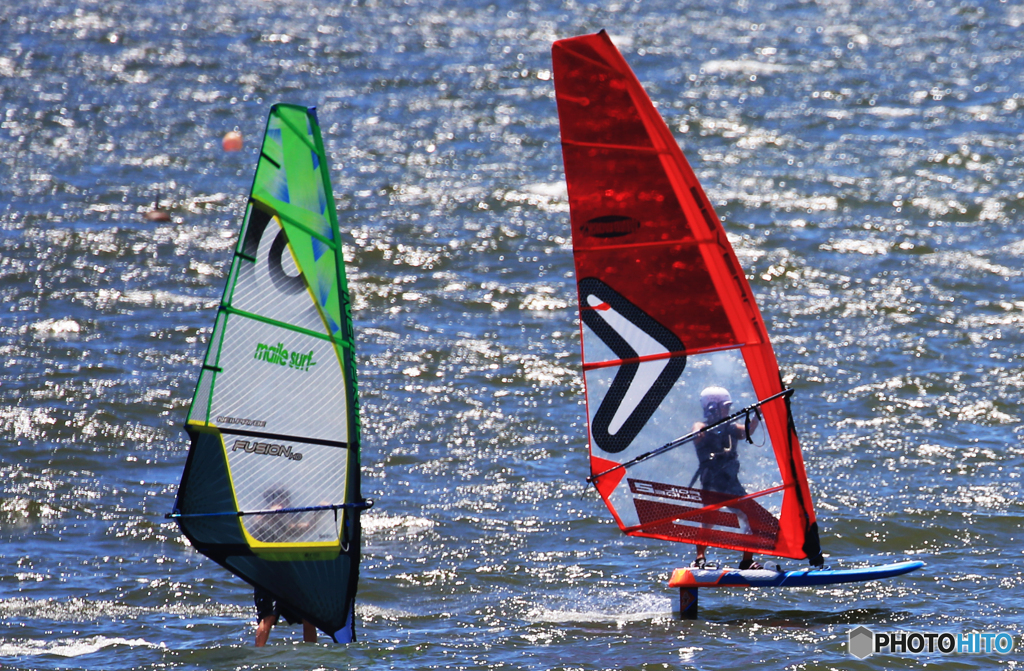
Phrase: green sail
[271,485]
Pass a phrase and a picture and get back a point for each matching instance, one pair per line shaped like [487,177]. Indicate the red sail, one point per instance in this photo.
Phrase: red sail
[673,341]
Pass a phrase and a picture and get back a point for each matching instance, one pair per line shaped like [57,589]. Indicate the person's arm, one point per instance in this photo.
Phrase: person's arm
[699,438]
[739,429]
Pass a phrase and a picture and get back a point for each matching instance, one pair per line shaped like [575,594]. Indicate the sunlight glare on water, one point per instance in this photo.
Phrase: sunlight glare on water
[865,160]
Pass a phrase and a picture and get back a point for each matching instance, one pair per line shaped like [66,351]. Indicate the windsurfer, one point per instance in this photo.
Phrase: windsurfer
[271,529]
[268,610]
[719,464]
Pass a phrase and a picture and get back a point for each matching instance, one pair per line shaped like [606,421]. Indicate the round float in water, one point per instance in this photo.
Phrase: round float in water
[232,141]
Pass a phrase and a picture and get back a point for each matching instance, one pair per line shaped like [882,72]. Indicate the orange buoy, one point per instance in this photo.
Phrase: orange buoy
[232,141]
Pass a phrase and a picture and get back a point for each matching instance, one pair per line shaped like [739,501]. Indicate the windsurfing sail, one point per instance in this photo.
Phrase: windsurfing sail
[690,430]
[271,485]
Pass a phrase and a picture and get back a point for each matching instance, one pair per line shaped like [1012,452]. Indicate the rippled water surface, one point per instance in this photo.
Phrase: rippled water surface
[865,158]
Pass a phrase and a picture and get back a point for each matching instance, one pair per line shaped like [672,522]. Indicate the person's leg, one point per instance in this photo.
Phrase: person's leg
[308,632]
[263,630]
[749,563]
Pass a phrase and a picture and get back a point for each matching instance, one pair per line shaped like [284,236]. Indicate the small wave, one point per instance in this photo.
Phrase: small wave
[373,523]
[376,613]
[70,647]
[891,112]
[731,67]
[1015,249]
[552,197]
[58,327]
[23,422]
[550,189]
[607,609]
[866,247]
[545,372]
[20,509]
[144,297]
[541,302]
[984,410]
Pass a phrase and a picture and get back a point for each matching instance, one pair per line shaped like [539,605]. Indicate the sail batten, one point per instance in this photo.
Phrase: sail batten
[285,326]
[671,334]
[271,487]
[688,242]
[296,217]
[605,145]
[231,431]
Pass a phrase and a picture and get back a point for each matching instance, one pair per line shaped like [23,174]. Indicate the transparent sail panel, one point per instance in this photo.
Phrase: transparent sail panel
[274,474]
[721,467]
[681,413]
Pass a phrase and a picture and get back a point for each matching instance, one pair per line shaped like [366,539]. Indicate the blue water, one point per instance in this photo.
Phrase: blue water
[866,161]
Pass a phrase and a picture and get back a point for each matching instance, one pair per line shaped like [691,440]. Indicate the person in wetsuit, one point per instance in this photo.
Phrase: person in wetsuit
[718,460]
[268,529]
[268,610]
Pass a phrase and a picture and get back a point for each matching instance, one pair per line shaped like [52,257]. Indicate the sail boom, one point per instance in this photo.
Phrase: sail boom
[690,437]
[597,365]
[360,505]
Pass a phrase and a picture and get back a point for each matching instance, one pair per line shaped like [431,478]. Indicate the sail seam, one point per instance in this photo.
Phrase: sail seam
[302,136]
[220,351]
[274,163]
[582,57]
[686,242]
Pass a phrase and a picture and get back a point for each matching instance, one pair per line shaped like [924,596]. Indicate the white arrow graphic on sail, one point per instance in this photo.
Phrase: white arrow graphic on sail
[644,345]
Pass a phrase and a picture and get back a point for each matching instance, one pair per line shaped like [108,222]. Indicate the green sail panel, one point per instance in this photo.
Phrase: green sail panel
[271,485]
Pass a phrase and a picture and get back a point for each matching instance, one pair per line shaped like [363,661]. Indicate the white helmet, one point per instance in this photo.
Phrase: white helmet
[714,396]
